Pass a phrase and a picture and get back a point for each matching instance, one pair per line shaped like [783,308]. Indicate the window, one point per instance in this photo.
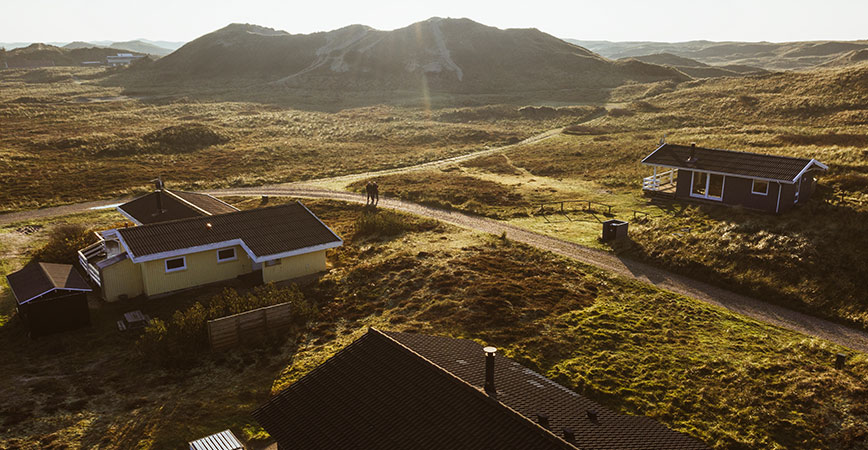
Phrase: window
[760,187]
[273,262]
[176,264]
[226,254]
[707,185]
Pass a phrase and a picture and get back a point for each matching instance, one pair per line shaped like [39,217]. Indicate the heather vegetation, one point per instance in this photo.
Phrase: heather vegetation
[731,382]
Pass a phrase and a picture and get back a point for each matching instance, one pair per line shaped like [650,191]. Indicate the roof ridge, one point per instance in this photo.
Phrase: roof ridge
[184,201]
[742,152]
[209,196]
[190,219]
[513,413]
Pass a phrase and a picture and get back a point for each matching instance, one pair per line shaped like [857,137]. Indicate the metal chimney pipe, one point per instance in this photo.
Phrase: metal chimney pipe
[489,370]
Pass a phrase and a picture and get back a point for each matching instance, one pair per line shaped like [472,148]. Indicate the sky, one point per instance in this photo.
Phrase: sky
[613,20]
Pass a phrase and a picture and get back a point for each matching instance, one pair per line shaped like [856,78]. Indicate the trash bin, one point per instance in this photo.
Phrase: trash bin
[614,230]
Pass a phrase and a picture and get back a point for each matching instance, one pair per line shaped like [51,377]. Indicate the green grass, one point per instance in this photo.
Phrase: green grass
[634,348]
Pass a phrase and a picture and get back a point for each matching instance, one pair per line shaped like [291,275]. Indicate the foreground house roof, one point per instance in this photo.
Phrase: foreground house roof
[264,233]
[164,205]
[38,279]
[407,391]
[782,169]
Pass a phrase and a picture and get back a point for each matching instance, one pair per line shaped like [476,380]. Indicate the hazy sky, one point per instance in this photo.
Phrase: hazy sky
[618,20]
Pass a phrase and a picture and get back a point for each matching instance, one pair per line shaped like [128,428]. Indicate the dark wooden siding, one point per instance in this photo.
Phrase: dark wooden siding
[737,191]
[56,312]
[682,189]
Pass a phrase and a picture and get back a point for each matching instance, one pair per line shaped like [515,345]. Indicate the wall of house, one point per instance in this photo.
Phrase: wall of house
[294,267]
[788,196]
[738,191]
[202,268]
[56,312]
[682,189]
[121,278]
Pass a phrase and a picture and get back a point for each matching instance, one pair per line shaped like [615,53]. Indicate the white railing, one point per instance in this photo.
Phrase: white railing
[84,257]
[658,180]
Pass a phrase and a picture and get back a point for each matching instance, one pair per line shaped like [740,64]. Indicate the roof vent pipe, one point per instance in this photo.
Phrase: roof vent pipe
[569,436]
[489,370]
[592,415]
[543,420]
[692,155]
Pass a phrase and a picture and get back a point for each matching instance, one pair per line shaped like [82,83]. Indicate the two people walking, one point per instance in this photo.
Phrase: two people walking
[373,191]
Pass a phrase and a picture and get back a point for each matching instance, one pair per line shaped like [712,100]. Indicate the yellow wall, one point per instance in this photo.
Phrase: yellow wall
[294,267]
[202,268]
[121,278]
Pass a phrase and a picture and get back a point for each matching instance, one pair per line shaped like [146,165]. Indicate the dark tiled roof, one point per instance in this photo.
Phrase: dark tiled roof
[407,391]
[530,394]
[174,205]
[39,278]
[750,165]
[377,394]
[265,231]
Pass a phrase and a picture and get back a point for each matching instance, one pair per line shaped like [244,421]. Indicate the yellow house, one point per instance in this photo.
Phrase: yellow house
[282,242]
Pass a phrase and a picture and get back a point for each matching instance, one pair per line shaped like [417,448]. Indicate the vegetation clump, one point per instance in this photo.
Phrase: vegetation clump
[184,138]
[64,242]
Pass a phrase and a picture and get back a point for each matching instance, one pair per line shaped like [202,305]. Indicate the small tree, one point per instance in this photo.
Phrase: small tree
[64,242]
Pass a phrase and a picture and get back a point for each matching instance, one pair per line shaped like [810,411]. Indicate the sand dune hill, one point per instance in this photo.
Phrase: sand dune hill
[694,68]
[59,56]
[446,55]
[765,55]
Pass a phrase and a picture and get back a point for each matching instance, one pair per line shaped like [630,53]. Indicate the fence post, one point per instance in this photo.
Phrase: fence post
[562,207]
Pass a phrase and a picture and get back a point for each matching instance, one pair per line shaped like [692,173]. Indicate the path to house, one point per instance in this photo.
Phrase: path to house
[761,311]
[755,309]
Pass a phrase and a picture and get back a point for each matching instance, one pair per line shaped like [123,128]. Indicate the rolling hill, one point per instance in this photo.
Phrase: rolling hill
[765,55]
[138,46]
[695,68]
[48,55]
[455,56]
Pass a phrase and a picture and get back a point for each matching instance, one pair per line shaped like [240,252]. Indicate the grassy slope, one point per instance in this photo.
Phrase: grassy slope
[56,149]
[809,259]
[634,348]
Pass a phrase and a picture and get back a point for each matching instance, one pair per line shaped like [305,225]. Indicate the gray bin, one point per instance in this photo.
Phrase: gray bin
[614,230]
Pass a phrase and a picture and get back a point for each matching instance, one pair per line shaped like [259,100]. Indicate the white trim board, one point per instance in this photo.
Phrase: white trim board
[49,291]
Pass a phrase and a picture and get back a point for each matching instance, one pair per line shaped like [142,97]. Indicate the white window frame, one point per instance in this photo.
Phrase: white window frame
[233,258]
[273,262]
[706,196]
[177,269]
[756,192]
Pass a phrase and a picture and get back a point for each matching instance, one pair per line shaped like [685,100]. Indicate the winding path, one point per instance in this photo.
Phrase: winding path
[755,309]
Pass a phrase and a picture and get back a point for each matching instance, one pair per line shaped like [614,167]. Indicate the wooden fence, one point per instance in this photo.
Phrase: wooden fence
[232,330]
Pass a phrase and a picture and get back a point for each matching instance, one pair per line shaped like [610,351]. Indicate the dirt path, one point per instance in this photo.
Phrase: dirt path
[761,311]
[755,309]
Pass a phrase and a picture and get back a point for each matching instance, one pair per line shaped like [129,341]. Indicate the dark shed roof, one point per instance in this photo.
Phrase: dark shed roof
[165,205]
[406,391]
[37,279]
[728,162]
[264,232]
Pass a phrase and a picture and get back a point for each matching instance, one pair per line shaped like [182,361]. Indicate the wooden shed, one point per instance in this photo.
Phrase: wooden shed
[51,298]
[764,182]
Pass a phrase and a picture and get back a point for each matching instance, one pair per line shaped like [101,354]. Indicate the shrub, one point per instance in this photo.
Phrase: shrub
[64,242]
[379,224]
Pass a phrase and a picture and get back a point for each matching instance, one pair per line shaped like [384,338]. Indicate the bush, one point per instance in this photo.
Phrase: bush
[379,224]
[64,242]
[174,343]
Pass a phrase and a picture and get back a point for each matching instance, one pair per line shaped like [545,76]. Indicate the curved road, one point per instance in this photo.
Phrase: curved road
[755,309]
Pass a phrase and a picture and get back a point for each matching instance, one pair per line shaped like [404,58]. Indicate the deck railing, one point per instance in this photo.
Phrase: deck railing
[658,180]
[84,257]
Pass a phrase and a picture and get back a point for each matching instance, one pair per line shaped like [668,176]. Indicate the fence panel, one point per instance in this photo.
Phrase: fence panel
[231,330]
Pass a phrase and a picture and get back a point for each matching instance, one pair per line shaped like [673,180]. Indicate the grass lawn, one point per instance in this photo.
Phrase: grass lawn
[635,348]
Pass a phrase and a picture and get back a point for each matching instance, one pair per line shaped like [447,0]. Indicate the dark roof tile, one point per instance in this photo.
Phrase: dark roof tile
[745,164]
[36,279]
[265,231]
[166,205]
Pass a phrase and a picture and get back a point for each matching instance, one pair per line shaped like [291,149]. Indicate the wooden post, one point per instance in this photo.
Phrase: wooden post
[562,207]
[655,183]
[840,358]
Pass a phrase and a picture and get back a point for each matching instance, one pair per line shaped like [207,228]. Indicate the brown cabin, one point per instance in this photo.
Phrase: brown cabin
[763,182]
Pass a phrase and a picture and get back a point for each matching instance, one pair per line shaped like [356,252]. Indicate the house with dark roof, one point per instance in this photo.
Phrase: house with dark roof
[280,242]
[50,297]
[164,205]
[763,182]
[396,391]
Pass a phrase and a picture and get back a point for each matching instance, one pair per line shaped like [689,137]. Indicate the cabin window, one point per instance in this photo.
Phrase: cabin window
[707,185]
[176,264]
[760,187]
[273,262]
[226,254]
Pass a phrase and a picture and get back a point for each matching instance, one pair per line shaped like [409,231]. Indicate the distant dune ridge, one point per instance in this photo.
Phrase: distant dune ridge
[42,54]
[764,55]
[449,55]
